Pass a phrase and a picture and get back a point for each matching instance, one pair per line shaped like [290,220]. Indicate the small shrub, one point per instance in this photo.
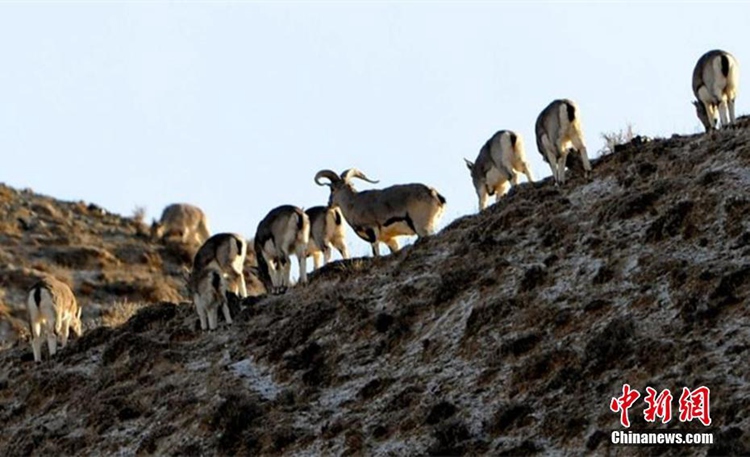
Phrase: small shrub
[614,139]
[139,214]
[120,312]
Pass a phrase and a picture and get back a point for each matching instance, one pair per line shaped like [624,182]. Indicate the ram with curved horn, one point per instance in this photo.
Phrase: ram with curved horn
[382,215]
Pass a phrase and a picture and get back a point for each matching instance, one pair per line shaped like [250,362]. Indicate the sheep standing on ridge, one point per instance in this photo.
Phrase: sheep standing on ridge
[715,83]
[382,215]
[326,231]
[558,127]
[283,232]
[225,252]
[53,311]
[183,220]
[210,294]
[500,161]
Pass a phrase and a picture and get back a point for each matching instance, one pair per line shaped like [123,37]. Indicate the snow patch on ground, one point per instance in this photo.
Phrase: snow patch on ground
[256,378]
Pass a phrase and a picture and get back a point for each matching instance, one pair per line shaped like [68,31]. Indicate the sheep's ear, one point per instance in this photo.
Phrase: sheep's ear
[469,164]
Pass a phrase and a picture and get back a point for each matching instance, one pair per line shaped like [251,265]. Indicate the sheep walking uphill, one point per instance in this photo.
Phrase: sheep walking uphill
[53,311]
[327,231]
[715,83]
[283,232]
[558,127]
[382,215]
[500,161]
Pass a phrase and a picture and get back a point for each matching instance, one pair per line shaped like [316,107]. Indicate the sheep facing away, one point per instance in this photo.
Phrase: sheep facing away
[382,215]
[558,127]
[53,311]
[209,293]
[327,231]
[715,84]
[500,161]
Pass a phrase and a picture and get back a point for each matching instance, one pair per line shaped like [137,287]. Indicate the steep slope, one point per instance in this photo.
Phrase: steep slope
[109,261]
[106,259]
[507,333]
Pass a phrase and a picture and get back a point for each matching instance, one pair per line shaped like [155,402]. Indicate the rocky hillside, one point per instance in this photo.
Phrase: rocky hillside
[506,334]
[108,260]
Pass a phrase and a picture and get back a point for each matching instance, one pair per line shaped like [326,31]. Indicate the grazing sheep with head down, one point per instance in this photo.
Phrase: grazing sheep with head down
[500,161]
[283,232]
[558,127]
[53,311]
[183,220]
[715,83]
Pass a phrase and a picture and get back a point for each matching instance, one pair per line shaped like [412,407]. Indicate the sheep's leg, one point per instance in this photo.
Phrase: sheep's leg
[524,168]
[551,153]
[36,341]
[730,105]
[375,249]
[302,260]
[280,269]
[287,278]
[65,333]
[578,144]
[213,315]
[483,198]
[201,310]
[504,187]
[514,178]
[225,310]
[241,282]
[340,245]
[724,112]
[316,260]
[51,342]
[392,245]
[273,267]
[712,109]
[327,254]
[561,167]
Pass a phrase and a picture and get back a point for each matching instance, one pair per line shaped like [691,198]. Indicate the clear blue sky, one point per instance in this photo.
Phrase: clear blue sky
[235,106]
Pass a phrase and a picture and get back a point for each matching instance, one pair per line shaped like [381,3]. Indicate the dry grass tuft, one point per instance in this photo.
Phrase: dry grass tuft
[614,139]
[120,312]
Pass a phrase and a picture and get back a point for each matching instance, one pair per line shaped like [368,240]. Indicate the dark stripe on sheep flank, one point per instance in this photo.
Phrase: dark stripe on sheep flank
[724,65]
[571,111]
[406,219]
[215,280]
[37,294]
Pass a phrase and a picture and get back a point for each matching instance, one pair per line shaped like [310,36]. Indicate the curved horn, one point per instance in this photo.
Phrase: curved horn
[354,173]
[329,174]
